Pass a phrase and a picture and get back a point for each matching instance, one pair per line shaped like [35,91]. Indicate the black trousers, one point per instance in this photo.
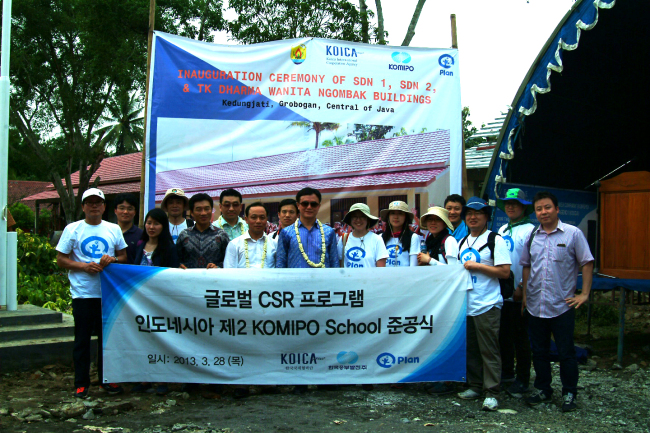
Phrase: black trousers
[87,313]
[514,342]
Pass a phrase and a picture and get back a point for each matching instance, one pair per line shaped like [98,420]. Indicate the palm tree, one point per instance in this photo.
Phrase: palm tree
[125,129]
[336,141]
[316,126]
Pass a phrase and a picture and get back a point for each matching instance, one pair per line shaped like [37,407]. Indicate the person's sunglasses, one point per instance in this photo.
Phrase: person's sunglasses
[313,204]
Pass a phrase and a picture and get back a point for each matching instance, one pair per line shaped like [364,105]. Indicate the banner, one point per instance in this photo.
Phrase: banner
[211,104]
[284,326]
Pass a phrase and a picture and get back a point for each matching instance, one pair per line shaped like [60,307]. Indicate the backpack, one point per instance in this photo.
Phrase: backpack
[507,285]
[441,250]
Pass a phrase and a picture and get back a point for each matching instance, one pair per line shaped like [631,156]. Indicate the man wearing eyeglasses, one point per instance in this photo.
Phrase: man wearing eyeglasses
[86,247]
[308,243]
[230,202]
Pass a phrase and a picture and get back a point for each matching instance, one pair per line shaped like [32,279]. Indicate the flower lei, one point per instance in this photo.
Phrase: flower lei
[302,250]
[248,264]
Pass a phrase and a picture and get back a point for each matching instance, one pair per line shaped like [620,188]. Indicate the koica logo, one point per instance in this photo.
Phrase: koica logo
[334,50]
[300,358]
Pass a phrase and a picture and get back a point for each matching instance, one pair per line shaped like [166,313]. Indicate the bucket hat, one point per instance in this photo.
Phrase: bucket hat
[517,195]
[362,207]
[92,192]
[174,192]
[438,211]
[477,203]
[397,205]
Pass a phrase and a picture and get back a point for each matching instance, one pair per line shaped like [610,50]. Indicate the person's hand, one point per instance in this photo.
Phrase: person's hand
[471,265]
[212,266]
[106,260]
[577,300]
[93,268]
[518,296]
[182,266]
[424,258]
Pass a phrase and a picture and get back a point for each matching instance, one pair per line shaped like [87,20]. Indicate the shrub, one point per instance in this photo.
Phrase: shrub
[23,216]
[40,281]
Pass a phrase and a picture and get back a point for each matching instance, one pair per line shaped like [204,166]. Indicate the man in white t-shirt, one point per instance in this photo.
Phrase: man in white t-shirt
[86,247]
[513,334]
[486,256]
[176,203]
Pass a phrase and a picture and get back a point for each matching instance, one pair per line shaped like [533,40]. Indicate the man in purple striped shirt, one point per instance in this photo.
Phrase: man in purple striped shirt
[550,261]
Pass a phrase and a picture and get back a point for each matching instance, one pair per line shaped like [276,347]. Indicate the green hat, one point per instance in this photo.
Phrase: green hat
[517,195]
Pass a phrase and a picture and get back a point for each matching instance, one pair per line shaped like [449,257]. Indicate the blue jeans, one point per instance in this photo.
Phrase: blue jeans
[539,331]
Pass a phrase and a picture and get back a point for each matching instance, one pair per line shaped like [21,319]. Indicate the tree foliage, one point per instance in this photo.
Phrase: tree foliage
[317,127]
[370,132]
[125,129]
[264,21]
[469,130]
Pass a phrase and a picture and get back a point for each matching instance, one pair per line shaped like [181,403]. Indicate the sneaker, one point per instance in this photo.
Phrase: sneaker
[517,389]
[569,402]
[490,404]
[162,390]
[538,397]
[81,392]
[469,394]
[440,388]
[141,387]
[112,388]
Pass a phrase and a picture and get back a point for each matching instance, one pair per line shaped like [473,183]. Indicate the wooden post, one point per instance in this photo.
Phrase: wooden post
[454,44]
[152,21]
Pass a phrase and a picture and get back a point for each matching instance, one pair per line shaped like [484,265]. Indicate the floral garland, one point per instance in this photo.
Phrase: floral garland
[302,250]
[248,264]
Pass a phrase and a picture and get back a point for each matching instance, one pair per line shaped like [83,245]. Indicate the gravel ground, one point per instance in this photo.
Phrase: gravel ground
[610,400]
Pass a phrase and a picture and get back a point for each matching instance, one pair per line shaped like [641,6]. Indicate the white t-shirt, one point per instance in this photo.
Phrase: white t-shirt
[176,230]
[362,252]
[486,291]
[515,242]
[399,257]
[88,243]
[451,253]
[236,252]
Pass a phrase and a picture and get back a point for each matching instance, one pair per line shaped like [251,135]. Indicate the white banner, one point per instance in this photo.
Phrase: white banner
[284,326]
[210,104]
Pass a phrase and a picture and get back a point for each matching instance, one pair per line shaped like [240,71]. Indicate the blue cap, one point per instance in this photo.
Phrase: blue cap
[477,204]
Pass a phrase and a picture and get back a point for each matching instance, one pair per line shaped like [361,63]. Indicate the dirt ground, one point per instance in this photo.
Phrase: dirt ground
[611,398]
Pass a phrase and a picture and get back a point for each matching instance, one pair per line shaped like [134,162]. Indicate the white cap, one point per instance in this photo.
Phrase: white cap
[92,191]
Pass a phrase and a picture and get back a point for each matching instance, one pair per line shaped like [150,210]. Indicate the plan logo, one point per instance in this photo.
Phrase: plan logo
[509,242]
[94,247]
[446,61]
[299,54]
[470,254]
[394,251]
[355,254]
[347,357]
[401,57]
[387,360]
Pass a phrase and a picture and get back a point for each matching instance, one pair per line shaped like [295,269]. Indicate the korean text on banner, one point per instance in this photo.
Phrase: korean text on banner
[284,326]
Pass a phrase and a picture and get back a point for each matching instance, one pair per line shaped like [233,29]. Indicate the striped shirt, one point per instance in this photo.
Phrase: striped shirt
[288,254]
[554,261]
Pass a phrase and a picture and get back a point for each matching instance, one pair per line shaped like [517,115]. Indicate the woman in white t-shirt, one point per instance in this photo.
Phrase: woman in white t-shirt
[402,244]
[442,248]
[361,248]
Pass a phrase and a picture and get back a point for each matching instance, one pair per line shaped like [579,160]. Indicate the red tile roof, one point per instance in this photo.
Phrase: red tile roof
[113,188]
[19,189]
[418,151]
[116,169]
[405,179]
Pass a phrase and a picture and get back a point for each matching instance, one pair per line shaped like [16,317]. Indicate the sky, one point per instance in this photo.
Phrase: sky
[497,40]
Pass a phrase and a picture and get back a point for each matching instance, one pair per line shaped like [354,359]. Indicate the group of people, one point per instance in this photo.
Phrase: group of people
[542,262]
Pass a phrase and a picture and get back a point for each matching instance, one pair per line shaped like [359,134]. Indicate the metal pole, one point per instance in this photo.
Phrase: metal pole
[12,271]
[4,144]
[143,171]
[621,326]
[465,187]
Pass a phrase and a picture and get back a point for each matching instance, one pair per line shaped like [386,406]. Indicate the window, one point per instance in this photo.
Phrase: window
[339,207]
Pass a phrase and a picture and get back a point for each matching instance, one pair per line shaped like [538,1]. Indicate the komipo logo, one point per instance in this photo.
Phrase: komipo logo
[347,358]
[94,247]
[299,54]
[334,50]
[354,256]
[387,360]
[401,58]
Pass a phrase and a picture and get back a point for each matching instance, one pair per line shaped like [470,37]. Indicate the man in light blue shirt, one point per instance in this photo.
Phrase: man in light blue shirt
[308,243]
[230,202]
[455,204]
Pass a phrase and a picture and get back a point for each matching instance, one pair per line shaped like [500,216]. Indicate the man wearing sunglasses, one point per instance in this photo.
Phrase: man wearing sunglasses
[307,243]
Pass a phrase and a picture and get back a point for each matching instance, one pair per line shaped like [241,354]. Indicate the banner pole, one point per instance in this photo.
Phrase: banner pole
[454,44]
[152,21]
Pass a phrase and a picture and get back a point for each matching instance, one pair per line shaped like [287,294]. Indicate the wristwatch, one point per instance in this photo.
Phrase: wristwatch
[116,261]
